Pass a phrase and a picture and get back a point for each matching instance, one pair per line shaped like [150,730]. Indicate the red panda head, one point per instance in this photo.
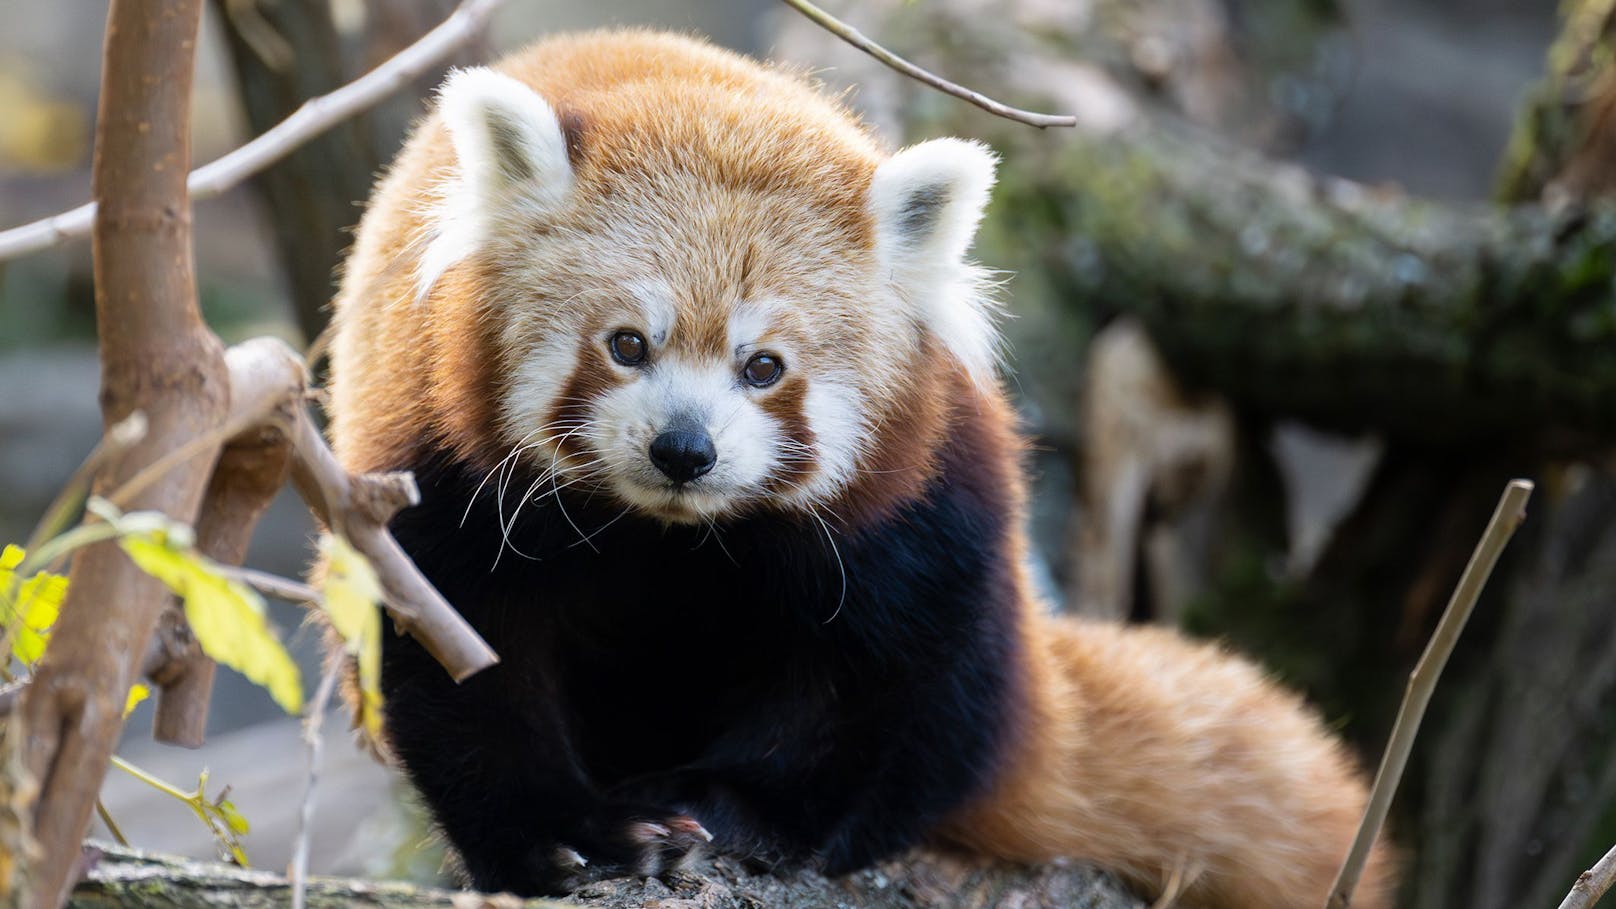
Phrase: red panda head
[706,297]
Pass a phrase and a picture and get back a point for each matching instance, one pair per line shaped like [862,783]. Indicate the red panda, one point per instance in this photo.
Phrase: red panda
[699,387]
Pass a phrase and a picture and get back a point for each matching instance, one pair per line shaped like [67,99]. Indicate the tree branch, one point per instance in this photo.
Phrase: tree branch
[1506,518]
[1592,884]
[131,880]
[857,38]
[314,117]
[358,508]
[251,469]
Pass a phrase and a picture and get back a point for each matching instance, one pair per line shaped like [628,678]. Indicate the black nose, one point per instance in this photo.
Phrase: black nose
[683,454]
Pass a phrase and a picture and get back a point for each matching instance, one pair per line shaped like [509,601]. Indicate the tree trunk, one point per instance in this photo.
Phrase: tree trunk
[157,357]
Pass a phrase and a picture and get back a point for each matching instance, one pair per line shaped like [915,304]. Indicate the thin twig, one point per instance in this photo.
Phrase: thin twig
[273,584]
[856,38]
[1592,884]
[1509,514]
[112,825]
[70,497]
[315,116]
[311,737]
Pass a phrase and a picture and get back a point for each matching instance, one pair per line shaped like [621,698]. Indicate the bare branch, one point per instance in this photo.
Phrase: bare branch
[274,585]
[251,468]
[1509,514]
[1592,884]
[359,508]
[70,498]
[315,116]
[311,737]
[857,38]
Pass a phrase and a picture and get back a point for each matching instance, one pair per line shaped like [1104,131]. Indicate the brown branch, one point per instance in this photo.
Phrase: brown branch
[252,467]
[157,357]
[1511,511]
[856,38]
[315,116]
[358,508]
[10,693]
[1592,884]
[276,586]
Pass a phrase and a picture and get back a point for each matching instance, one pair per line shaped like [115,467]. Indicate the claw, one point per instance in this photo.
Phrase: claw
[692,826]
[646,831]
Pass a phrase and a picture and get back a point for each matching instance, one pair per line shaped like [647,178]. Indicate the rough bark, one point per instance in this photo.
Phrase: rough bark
[157,357]
[131,880]
[1353,309]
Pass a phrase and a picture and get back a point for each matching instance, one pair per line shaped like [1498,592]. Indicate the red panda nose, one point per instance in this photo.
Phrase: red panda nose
[683,454]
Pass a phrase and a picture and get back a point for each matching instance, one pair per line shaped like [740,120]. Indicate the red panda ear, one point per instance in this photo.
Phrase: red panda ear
[926,202]
[508,142]
[511,162]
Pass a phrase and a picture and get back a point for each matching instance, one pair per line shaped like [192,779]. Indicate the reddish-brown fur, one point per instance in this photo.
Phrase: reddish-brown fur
[1165,760]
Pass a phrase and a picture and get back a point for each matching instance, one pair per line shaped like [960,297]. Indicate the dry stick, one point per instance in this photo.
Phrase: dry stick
[1509,514]
[273,585]
[68,501]
[315,116]
[1592,884]
[358,508]
[856,38]
[311,738]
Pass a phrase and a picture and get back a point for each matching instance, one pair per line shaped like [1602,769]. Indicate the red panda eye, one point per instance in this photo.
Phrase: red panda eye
[763,370]
[628,348]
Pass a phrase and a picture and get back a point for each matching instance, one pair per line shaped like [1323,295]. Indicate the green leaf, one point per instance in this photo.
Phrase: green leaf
[352,601]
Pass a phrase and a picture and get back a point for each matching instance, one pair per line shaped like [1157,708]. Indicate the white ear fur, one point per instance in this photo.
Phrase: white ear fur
[927,201]
[511,157]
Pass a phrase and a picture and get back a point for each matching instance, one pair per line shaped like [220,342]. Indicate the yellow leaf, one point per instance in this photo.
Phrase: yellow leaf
[352,598]
[137,693]
[232,818]
[32,615]
[226,616]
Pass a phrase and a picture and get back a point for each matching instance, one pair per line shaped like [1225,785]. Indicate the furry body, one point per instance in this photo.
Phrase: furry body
[824,647]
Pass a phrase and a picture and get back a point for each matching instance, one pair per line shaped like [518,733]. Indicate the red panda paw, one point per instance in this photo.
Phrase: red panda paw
[626,841]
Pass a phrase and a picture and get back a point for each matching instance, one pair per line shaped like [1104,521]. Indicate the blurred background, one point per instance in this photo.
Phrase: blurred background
[1311,280]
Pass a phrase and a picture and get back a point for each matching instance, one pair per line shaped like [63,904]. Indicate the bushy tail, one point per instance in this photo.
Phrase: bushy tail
[1178,766]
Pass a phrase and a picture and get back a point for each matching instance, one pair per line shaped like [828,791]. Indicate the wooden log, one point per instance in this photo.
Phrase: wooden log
[132,880]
